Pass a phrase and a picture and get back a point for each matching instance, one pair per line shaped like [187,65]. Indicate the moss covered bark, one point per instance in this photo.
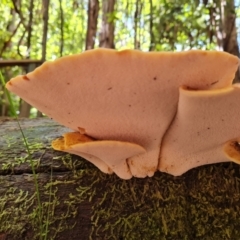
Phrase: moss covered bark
[87,204]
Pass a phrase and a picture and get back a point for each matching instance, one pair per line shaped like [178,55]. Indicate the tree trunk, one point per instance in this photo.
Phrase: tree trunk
[93,9]
[45,16]
[87,204]
[107,30]
[229,31]
[61,28]
[25,108]
[137,20]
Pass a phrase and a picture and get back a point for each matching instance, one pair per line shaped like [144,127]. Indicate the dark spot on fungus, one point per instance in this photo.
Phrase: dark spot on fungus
[129,105]
[208,128]
[26,78]
[109,88]
[81,130]
[214,82]
[68,83]
[69,113]
[155,78]
[10,83]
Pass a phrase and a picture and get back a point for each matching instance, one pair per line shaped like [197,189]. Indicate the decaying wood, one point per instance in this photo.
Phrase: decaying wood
[86,204]
[18,198]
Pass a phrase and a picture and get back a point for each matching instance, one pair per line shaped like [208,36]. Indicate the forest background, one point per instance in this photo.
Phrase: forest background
[33,31]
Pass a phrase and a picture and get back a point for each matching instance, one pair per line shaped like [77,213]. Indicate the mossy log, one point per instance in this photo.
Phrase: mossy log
[80,202]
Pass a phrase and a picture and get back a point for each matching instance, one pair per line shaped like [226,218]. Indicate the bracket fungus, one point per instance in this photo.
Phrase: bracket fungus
[206,130]
[122,104]
[94,151]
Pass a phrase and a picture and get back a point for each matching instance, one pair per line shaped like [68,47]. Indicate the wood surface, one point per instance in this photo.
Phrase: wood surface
[80,202]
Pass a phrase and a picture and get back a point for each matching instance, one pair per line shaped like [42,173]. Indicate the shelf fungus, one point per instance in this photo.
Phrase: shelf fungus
[206,129]
[134,112]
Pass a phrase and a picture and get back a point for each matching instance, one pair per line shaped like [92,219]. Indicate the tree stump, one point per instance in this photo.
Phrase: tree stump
[80,202]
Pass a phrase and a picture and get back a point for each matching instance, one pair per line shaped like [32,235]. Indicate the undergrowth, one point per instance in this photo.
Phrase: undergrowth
[43,227]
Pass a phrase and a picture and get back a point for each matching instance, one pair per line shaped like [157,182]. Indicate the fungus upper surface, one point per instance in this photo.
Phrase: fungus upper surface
[128,96]
[205,130]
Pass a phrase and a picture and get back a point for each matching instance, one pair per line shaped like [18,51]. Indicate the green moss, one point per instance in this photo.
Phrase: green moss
[14,203]
[201,204]
[19,210]
[11,146]
[139,209]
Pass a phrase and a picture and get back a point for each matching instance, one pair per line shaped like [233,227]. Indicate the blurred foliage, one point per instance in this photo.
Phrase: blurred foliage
[156,24]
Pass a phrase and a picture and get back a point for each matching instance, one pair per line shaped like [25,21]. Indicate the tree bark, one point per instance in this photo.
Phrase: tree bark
[229,41]
[107,29]
[93,9]
[61,27]
[29,29]
[137,19]
[87,204]
[25,107]
[152,40]
[45,8]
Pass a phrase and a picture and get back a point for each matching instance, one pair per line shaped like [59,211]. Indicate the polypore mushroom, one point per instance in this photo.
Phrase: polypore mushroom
[127,96]
[108,156]
[205,130]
